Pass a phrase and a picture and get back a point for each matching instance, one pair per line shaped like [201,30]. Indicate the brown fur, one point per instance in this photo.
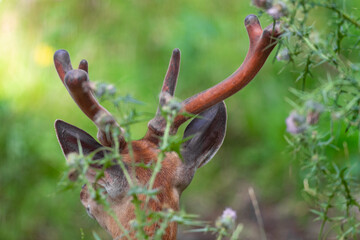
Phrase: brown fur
[168,197]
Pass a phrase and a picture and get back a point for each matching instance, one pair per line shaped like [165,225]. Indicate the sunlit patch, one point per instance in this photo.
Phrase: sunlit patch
[43,55]
[9,23]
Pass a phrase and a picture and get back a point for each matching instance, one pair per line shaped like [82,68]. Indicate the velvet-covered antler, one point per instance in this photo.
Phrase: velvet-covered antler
[76,82]
[262,43]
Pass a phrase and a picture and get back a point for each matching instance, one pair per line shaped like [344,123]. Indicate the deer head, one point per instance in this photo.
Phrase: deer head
[175,175]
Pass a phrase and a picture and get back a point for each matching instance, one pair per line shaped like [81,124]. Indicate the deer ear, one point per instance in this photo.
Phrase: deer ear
[207,134]
[70,136]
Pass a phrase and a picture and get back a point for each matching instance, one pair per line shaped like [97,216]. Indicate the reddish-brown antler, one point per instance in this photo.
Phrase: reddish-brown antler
[262,43]
[167,91]
[77,83]
[170,80]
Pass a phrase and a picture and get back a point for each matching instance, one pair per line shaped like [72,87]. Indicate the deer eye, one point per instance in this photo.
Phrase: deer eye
[88,210]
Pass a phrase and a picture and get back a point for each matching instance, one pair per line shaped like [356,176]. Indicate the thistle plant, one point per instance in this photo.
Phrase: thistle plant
[325,121]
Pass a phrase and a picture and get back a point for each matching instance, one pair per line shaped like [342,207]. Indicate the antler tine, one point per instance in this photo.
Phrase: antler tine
[77,83]
[83,65]
[262,43]
[170,80]
[167,91]
[62,63]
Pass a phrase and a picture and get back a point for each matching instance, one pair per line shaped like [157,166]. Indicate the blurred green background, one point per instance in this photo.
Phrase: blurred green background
[128,44]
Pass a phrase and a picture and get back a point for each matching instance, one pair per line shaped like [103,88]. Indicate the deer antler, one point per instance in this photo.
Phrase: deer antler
[168,88]
[262,43]
[77,83]
[167,91]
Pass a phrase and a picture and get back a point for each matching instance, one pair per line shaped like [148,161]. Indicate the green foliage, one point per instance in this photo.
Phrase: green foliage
[326,109]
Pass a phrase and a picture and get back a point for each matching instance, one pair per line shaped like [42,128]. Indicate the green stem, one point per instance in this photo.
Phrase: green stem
[164,143]
[221,234]
[341,13]
[118,156]
[327,208]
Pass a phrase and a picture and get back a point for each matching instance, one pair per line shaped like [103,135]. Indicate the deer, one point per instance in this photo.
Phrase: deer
[207,134]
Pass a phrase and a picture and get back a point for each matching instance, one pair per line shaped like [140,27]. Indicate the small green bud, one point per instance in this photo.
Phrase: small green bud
[72,158]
